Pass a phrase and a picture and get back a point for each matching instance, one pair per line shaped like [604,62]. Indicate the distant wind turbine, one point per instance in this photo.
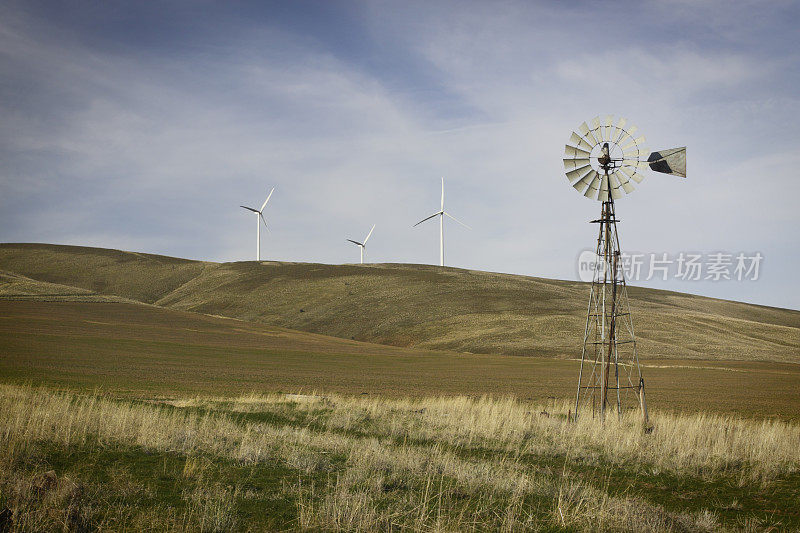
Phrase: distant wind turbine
[363,245]
[259,219]
[441,214]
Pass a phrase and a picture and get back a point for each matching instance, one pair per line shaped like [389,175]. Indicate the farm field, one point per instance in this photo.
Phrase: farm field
[141,351]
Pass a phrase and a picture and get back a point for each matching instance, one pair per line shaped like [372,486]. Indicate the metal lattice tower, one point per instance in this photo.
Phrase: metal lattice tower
[602,162]
[610,377]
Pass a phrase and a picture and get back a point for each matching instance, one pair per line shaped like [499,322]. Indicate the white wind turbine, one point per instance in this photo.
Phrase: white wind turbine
[363,245]
[441,214]
[259,220]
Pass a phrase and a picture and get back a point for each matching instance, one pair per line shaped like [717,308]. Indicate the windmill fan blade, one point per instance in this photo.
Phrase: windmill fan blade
[584,182]
[577,140]
[615,187]
[249,208]
[585,132]
[427,218]
[609,124]
[603,194]
[264,221]
[672,161]
[575,163]
[571,151]
[624,181]
[355,242]
[593,187]
[631,172]
[613,181]
[632,153]
[620,129]
[628,137]
[267,200]
[627,187]
[578,172]
[596,129]
[368,234]
[639,142]
[454,218]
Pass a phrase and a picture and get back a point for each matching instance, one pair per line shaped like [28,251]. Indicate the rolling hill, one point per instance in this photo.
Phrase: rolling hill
[408,305]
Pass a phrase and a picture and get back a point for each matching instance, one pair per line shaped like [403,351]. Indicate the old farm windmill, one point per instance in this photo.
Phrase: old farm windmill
[602,162]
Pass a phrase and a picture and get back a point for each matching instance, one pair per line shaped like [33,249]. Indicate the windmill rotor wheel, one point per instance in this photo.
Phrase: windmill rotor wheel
[605,147]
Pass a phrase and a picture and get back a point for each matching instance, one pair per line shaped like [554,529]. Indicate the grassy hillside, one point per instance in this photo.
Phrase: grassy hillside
[416,305]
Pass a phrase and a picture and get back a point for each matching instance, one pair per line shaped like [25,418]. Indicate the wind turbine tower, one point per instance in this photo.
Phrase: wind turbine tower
[363,245]
[259,219]
[441,214]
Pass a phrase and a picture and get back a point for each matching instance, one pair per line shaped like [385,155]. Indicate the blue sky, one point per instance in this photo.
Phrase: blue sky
[143,126]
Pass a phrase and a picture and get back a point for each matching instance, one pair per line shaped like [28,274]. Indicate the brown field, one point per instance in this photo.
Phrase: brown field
[140,350]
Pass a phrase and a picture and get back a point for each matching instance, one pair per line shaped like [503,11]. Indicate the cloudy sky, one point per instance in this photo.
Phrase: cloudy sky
[143,125]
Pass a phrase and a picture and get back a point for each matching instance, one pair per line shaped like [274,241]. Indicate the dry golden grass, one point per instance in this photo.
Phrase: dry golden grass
[700,444]
[438,464]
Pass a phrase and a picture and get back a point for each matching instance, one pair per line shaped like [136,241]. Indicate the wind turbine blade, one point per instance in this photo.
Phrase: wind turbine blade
[267,200]
[442,194]
[454,218]
[264,221]
[249,208]
[355,242]
[428,218]
[368,234]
